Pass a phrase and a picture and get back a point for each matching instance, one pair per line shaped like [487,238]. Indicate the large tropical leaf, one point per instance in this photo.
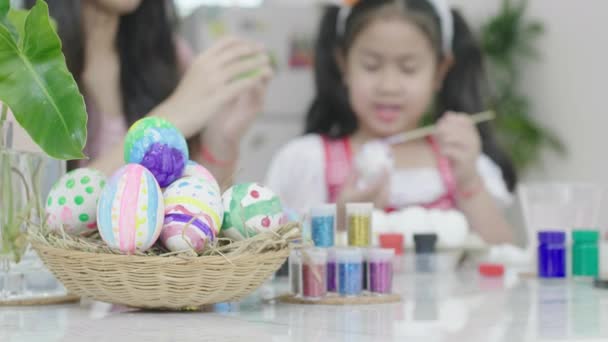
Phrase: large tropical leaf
[37,86]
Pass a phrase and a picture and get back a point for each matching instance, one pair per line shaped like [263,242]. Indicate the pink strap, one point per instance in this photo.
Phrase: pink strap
[338,165]
[447,201]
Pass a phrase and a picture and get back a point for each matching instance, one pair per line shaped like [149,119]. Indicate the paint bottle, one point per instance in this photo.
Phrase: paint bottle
[332,278]
[552,254]
[359,222]
[394,241]
[314,273]
[350,271]
[323,225]
[295,272]
[585,253]
[424,245]
[380,270]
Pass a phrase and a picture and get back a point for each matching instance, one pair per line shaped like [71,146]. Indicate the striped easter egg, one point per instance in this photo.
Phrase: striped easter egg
[183,232]
[198,198]
[130,213]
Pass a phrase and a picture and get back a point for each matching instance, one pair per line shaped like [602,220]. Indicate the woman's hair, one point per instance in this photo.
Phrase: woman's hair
[145,42]
[462,90]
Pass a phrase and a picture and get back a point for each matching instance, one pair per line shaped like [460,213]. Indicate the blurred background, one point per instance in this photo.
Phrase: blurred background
[550,100]
[547,63]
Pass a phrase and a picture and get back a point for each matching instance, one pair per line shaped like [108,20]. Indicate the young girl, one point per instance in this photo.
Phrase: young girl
[129,63]
[380,66]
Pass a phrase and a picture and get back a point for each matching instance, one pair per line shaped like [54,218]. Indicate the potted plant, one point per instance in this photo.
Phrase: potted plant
[45,101]
[508,39]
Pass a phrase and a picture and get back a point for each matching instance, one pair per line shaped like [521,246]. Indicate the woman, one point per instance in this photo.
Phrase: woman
[129,64]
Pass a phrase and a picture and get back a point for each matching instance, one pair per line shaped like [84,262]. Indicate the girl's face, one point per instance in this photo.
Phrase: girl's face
[391,73]
[120,7]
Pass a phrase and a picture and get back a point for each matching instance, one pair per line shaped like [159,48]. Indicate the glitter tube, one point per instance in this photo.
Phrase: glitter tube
[295,272]
[380,270]
[314,273]
[359,220]
[332,281]
[350,271]
[323,225]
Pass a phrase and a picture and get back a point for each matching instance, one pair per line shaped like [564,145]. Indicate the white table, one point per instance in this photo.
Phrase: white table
[459,306]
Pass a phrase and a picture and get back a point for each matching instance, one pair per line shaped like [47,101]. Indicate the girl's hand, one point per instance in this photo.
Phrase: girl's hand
[461,144]
[214,81]
[377,192]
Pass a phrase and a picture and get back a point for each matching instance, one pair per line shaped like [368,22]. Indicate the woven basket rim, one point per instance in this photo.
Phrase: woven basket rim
[151,258]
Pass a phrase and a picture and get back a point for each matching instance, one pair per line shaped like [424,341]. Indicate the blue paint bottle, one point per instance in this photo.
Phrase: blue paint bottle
[552,254]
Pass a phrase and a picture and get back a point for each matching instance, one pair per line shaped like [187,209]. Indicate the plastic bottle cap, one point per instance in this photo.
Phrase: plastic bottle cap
[380,254]
[551,236]
[425,243]
[323,210]
[585,235]
[491,270]
[295,255]
[349,255]
[392,240]
[314,256]
[359,208]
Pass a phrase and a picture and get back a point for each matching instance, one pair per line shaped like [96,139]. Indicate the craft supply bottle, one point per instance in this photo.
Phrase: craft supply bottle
[295,272]
[332,278]
[350,271]
[380,270]
[552,254]
[585,253]
[314,273]
[425,252]
[323,225]
[359,223]
[394,241]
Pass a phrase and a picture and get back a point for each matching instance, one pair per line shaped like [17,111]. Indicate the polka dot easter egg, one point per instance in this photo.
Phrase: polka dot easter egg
[196,197]
[72,202]
[131,210]
[193,169]
[250,209]
[159,146]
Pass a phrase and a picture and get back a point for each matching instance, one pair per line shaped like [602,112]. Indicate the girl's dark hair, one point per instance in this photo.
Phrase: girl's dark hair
[148,62]
[462,91]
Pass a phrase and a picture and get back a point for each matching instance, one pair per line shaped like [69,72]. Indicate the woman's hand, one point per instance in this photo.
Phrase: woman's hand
[215,82]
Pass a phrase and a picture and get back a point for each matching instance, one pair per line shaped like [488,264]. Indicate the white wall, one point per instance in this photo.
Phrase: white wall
[567,87]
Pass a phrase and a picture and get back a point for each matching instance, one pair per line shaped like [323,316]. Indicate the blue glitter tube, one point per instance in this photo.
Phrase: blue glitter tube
[551,254]
[323,225]
[350,271]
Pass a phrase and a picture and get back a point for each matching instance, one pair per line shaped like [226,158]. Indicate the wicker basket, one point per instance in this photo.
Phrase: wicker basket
[164,282]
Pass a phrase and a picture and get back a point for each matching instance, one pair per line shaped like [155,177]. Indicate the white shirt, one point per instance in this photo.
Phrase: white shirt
[297,175]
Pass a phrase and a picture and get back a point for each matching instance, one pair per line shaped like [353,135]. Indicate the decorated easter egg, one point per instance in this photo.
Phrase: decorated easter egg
[72,202]
[182,232]
[130,213]
[159,146]
[196,197]
[249,209]
[194,169]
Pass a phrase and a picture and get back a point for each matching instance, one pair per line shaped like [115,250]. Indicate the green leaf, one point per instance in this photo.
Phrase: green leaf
[5,5]
[39,89]
[17,19]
